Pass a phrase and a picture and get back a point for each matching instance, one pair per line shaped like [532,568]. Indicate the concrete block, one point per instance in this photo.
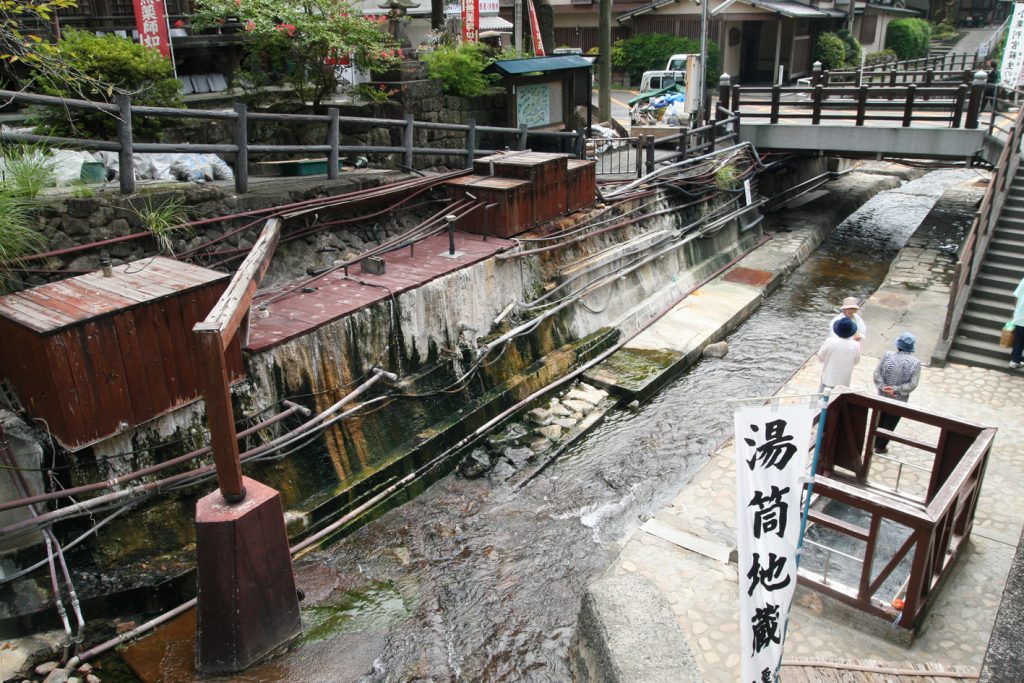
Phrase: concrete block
[628,634]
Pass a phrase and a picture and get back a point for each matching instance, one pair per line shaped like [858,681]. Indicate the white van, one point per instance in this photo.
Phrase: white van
[656,80]
[679,62]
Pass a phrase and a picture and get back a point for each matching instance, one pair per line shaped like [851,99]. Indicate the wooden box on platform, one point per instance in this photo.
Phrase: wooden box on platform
[93,354]
[513,213]
[547,172]
[581,183]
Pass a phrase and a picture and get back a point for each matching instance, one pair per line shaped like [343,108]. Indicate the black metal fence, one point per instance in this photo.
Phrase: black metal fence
[124,112]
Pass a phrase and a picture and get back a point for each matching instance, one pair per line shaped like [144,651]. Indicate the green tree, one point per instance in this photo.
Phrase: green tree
[460,68]
[830,50]
[908,38]
[651,51]
[852,46]
[21,49]
[108,64]
[300,40]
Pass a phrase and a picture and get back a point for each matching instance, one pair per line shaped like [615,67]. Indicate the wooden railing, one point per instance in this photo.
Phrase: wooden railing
[936,524]
[976,243]
[125,112]
[954,106]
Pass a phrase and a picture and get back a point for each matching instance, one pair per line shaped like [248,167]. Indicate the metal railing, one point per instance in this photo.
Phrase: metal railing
[616,157]
[935,525]
[124,112]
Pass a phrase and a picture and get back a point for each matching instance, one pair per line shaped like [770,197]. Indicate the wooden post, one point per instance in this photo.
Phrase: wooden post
[581,143]
[242,155]
[522,136]
[650,154]
[684,135]
[967,76]
[976,98]
[862,103]
[826,77]
[892,81]
[125,162]
[908,107]
[929,76]
[219,414]
[958,105]
[471,143]
[816,103]
[735,101]
[724,83]
[214,335]
[407,139]
[776,97]
[333,139]
[815,74]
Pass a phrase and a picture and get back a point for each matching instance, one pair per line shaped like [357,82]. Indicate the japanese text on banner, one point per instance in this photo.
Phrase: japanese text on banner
[771,455]
[471,21]
[1011,72]
[151,23]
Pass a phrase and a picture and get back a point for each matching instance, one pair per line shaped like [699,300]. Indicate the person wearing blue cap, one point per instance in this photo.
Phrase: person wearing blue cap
[838,355]
[896,376]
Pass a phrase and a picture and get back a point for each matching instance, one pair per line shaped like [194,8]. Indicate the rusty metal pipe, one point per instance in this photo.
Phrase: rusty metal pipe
[109,498]
[110,483]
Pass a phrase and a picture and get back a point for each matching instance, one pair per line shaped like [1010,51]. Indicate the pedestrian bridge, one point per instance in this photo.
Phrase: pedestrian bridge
[909,114]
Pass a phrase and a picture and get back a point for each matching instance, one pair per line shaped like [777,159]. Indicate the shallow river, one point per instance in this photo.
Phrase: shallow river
[473,581]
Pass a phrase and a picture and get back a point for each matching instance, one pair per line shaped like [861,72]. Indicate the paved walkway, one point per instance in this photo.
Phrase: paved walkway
[703,591]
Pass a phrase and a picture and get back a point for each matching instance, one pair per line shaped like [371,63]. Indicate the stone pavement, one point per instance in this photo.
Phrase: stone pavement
[703,591]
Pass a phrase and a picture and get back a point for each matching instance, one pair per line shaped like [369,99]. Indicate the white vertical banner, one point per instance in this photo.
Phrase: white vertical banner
[1011,71]
[771,455]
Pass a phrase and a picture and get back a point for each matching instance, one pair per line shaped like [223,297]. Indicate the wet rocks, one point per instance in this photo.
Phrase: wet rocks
[716,350]
[542,428]
[46,668]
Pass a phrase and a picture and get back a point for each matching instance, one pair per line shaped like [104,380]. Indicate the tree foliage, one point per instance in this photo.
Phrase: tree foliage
[651,51]
[852,46]
[830,50]
[110,64]
[298,41]
[460,68]
[908,38]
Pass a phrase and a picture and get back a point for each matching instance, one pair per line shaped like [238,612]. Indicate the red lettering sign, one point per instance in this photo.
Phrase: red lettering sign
[470,21]
[151,22]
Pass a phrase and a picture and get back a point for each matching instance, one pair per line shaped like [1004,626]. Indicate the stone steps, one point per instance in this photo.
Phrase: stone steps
[992,301]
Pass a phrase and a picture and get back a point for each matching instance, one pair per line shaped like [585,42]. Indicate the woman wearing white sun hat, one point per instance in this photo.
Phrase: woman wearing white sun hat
[849,310]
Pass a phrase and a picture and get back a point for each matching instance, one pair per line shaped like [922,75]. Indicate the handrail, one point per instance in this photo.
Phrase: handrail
[976,242]
[124,111]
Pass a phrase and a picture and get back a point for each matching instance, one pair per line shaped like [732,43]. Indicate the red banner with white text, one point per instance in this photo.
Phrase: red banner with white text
[538,42]
[151,22]
[470,21]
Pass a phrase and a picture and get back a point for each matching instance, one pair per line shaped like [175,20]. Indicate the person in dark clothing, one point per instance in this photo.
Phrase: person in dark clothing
[991,85]
[895,377]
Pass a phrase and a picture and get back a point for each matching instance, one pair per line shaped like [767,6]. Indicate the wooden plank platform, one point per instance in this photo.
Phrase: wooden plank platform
[334,296]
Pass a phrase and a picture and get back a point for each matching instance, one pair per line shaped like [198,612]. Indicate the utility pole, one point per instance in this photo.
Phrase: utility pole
[519,25]
[705,8]
[604,64]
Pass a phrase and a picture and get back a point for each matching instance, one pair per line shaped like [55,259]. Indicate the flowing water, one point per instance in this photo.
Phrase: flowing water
[474,581]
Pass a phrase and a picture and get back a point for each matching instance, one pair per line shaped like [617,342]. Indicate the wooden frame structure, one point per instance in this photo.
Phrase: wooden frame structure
[939,524]
[228,319]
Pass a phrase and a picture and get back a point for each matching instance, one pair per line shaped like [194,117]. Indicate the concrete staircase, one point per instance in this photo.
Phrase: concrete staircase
[992,300]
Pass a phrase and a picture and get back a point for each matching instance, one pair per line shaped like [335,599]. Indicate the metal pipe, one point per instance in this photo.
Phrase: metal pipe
[181,459]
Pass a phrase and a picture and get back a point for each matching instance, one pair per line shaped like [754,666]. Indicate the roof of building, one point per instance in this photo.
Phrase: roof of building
[795,10]
[513,67]
[494,23]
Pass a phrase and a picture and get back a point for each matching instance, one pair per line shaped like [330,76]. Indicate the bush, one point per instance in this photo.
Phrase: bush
[120,65]
[876,58]
[28,169]
[651,51]
[830,50]
[460,69]
[908,38]
[852,46]
[943,30]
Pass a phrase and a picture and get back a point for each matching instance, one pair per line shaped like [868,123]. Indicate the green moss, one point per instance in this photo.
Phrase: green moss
[369,609]
[638,365]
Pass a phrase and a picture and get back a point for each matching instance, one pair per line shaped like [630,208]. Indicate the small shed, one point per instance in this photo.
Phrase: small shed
[92,355]
[544,91]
